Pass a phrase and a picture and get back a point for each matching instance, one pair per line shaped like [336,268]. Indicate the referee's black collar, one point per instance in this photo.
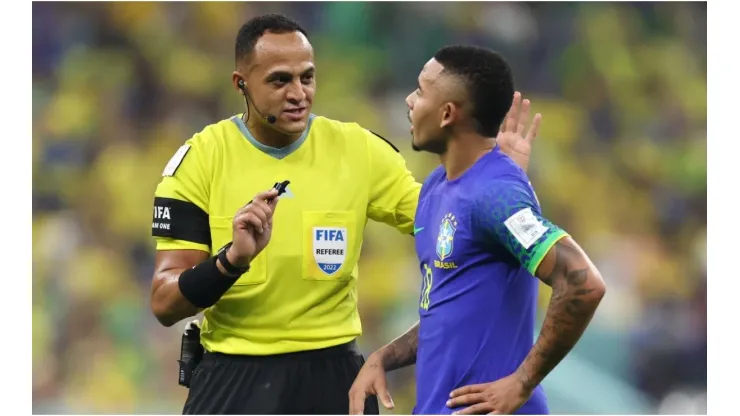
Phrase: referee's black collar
[277,153]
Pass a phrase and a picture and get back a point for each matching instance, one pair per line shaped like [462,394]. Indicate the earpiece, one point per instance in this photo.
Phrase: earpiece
[270,119]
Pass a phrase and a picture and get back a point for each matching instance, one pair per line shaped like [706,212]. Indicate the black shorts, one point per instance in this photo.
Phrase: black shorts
[307,382]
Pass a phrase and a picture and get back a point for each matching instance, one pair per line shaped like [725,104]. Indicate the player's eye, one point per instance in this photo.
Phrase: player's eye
[307,79]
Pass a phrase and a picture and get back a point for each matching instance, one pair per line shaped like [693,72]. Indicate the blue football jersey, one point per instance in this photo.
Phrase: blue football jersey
[479,240]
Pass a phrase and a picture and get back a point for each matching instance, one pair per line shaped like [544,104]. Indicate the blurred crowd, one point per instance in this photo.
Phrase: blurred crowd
[620,163]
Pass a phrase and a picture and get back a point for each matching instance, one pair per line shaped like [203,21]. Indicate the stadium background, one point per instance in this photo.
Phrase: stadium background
[620,163]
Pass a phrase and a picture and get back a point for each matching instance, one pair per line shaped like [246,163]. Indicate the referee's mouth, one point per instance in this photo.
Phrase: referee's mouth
[295,114]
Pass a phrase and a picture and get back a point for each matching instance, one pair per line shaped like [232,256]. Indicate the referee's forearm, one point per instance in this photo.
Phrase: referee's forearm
[401,352]
[167,302]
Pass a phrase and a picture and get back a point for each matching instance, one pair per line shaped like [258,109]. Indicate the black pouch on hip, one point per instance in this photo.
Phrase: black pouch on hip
[191,352]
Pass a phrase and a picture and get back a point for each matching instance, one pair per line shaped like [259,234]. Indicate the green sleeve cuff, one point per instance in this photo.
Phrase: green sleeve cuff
[542,249]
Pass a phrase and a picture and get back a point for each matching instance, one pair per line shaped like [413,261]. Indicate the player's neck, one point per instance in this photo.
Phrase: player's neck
[269,136]
[462,154]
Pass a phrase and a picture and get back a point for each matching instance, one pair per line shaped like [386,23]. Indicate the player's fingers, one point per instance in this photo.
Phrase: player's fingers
[523,117]
[477,409]
[383,394]
[471,388]
[471,398]
[357,402]
[513,116]
[508,116]
[534,128]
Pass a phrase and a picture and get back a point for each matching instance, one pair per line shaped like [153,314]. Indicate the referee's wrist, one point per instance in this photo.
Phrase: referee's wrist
[236,260]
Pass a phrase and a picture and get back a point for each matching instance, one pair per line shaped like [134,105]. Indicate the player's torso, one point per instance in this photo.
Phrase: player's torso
[300,291]
[476,312]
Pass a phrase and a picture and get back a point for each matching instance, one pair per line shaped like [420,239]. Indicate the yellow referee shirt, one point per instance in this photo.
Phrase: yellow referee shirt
[301,291]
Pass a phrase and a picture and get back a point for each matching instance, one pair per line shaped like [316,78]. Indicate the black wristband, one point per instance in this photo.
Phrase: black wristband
[230,268]
[204,284]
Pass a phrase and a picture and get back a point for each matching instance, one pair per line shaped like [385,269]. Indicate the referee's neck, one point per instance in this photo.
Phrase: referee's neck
[270,136]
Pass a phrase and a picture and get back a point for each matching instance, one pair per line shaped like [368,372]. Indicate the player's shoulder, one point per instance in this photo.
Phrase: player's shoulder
[434,179]
[500,178]
[501,169]
[352,132]
[435,176]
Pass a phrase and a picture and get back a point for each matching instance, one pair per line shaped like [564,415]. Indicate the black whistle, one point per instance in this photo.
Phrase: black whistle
[281,187]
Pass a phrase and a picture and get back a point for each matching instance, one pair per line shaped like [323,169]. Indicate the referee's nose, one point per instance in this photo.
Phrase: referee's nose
[296,93]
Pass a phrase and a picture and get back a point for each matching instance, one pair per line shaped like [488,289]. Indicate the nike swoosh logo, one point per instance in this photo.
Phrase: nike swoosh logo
[417,230]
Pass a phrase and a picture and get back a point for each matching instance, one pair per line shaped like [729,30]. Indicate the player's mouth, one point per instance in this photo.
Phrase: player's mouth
[295,114]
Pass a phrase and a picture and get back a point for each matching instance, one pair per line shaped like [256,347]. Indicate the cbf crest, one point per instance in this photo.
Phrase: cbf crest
[446,236]
[329,248]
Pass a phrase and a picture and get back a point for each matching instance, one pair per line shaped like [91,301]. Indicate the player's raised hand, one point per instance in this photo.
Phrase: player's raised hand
[517,132]
[501,397]
[370,381]
[252,228]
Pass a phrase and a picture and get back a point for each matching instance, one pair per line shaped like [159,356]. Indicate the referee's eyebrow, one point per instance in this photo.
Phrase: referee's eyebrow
[283,74]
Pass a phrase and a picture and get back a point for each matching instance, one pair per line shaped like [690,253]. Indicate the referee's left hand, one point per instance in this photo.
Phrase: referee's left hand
[501,397]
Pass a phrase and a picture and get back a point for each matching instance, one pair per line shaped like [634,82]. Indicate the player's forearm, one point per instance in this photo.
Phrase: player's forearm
[401,352]
[577,290]
[167,302]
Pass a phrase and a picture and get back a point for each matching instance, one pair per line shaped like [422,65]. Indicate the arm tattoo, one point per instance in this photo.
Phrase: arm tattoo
[401,352]
[572,305]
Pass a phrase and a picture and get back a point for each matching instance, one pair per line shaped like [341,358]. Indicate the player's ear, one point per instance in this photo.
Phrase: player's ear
[449,114]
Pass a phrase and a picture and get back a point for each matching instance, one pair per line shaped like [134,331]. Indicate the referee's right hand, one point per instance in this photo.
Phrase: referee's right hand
[252,228]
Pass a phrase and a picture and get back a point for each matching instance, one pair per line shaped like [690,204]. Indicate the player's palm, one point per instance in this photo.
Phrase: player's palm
[515,137]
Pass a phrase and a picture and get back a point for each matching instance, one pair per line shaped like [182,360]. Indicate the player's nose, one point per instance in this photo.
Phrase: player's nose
[409,101]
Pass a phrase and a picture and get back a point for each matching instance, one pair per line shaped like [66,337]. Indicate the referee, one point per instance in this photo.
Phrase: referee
[279,327]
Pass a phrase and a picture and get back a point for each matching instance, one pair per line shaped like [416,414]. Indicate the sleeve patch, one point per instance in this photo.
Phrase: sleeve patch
[525,227]
[176,160]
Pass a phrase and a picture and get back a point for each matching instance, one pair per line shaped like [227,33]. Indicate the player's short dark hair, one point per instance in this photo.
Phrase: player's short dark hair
[488,81]
[253,30]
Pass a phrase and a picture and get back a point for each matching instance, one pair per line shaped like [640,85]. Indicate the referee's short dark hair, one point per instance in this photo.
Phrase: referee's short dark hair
[251,31]
[488,81]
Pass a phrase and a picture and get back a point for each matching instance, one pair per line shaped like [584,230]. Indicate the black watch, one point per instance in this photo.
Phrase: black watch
[232,270]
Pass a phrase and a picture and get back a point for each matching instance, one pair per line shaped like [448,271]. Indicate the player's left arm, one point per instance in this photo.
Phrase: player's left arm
[393,191]
[577,290]
[510,216]
[549,253]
